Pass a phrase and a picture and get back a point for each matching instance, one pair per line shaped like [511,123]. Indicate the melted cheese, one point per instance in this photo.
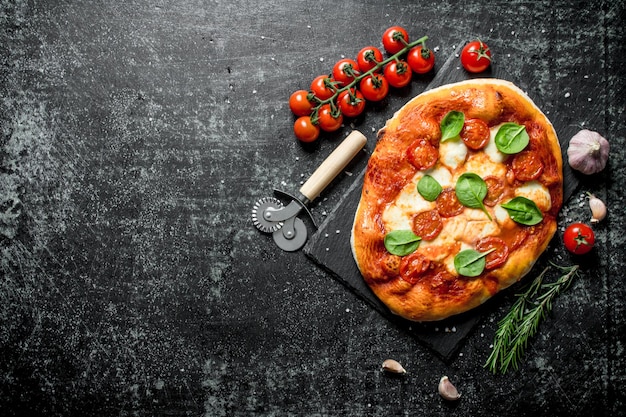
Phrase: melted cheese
[442,175]
[491,150]
[535,191]
[452,153]
[472,223]
[503,218]
[398,214]
[481,164]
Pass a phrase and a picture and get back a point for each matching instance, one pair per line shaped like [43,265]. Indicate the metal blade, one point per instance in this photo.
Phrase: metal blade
[291,237]
[261,214]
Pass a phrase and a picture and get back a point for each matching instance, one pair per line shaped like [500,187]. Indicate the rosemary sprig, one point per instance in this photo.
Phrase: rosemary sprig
[522,321]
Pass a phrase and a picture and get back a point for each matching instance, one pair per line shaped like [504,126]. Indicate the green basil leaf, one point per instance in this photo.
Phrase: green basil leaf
[401,242]
[470,262]
[523,211]
[471,190]
[451,125]
[511,138]
[429,188]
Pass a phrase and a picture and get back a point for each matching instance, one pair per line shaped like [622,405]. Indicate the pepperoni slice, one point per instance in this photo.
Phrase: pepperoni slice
[498,256]
[495,190]
[427,224]
[527,166]
[422,154]
[448,205]
[475,134]
[413,267]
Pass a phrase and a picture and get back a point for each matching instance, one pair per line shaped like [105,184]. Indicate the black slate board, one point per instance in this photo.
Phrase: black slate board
[335,255]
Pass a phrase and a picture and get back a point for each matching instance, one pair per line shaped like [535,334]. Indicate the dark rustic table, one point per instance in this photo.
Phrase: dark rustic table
[135,138]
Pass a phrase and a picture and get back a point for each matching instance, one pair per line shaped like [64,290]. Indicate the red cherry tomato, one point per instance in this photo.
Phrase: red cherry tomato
[321,86]
[398,73]
[305,130]
[476,56]
[421,59]
[475,134]
[427,224]
[351,102]
[394,39]
[300,104]
[368,57]
[579,238]
[374,87]
[345,70]
[500,252]
[328,119]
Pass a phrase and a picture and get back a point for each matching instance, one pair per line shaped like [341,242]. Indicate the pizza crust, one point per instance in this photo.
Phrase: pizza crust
[446,293]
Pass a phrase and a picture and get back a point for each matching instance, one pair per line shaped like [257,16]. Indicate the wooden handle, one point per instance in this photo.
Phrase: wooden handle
[333,165]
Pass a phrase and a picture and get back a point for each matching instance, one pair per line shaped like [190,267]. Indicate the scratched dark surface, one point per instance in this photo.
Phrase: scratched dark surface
[135,138]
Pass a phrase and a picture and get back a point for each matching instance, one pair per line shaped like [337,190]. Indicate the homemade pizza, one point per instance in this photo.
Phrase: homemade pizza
[460,198]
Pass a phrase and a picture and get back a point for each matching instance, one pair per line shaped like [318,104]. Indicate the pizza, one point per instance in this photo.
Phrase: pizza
[460,198]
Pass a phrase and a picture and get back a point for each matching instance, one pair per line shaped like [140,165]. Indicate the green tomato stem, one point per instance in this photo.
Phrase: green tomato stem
[378,66]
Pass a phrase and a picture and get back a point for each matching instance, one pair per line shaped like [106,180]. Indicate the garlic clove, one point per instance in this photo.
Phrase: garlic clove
[598,209]
[393,367]
[447,390]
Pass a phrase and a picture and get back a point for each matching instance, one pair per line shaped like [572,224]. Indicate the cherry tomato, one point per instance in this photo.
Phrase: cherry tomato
[527,166]
[300,104]
[476,56]
[321,86]
[427,224]
[495,190]
[413,267]
[368,57]
[398,73]
[328,119]
[499,254]
[394,39]
[305,130]
[448,205]
[422,154]
[579,238]
[351,102]
[421,59]
[345,70]
[475,134]
[374,87]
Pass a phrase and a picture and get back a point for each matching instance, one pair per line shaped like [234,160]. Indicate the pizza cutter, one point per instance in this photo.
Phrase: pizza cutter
[269,215]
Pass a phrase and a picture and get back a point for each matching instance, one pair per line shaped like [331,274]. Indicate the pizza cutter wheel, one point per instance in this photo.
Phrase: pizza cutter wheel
[269,215]
[262,214]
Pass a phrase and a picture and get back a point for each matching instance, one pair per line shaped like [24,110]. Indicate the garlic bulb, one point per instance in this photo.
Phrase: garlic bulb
[598,209]
[447,390]
[588,152]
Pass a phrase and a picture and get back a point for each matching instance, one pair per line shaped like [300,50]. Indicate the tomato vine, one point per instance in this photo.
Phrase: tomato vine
[346,89]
